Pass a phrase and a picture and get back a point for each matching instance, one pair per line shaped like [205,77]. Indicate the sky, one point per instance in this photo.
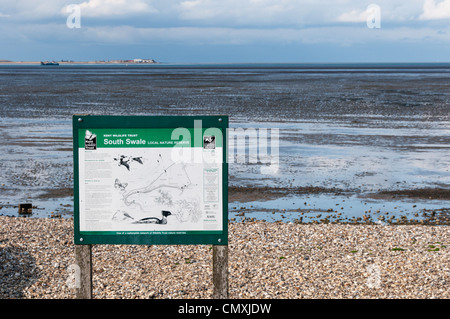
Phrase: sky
[226,31]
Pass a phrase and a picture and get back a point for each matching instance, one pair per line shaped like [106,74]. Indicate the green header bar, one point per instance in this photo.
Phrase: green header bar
[142,138]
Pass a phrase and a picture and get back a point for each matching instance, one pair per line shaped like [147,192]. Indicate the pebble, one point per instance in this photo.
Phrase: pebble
[266,260]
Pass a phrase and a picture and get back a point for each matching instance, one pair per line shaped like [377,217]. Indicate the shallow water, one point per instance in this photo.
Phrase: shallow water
[337,208]
[358,130]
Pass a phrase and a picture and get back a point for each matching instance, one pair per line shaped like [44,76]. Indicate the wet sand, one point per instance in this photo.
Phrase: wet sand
[247,203]
[248,194]
[403,211]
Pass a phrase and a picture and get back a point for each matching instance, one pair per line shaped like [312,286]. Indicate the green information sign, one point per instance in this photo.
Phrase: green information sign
[150,180]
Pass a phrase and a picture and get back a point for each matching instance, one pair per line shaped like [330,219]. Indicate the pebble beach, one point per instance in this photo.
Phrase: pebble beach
[266,261]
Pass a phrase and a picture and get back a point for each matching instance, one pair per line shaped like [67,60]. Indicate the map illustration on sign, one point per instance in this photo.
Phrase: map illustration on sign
[167,189]
[130,181]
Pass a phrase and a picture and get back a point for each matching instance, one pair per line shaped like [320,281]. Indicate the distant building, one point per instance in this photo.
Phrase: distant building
[144,61]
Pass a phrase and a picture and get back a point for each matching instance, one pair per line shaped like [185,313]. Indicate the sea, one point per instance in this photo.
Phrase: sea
[346,137]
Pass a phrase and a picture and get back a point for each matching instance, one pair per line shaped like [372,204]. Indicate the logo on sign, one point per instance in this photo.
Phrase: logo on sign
[209,142]
[90,141]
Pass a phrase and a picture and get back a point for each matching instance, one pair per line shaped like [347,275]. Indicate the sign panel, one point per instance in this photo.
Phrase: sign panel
[150,180]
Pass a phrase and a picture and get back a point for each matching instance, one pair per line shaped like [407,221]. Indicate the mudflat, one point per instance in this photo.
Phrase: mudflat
[352,141]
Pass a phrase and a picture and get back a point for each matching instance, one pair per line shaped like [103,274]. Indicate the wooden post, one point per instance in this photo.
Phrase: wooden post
[25,208]
[83,258]
[220,271]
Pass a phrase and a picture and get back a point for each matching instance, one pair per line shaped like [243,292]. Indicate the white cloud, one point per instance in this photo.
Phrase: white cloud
[113,8]
[341,36]
[234,21]
[433,11]
[390,11]
[32,10]
[293,12]
[28,10]
[252,12]
[229,13]
[354,16]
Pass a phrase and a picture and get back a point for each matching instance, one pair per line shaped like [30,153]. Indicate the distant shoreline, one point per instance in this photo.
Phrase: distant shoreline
[74,62]
[325,67]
